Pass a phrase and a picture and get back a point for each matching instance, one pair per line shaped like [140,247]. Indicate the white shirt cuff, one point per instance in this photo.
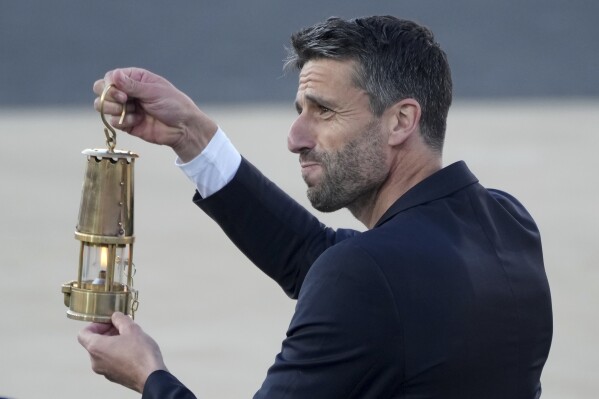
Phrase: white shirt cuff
[214,167]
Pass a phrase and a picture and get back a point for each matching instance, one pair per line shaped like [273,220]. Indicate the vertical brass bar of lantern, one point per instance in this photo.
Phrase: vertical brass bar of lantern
[104,282]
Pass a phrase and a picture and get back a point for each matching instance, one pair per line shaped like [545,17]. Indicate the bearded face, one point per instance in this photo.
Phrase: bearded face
[349,174]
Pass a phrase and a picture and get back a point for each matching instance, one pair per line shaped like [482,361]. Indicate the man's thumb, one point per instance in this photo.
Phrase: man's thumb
[121,322]
[124,82]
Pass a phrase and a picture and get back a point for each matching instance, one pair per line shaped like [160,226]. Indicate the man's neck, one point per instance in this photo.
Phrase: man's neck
[405,172]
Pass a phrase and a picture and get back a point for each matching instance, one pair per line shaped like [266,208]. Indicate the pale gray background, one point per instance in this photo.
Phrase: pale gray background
[525,120]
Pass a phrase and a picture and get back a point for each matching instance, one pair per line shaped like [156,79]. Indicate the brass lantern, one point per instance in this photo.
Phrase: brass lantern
[104,282]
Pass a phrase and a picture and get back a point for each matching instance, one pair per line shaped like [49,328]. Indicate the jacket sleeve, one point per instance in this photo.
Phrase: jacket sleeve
[163,385]
[337,345]
[275,232]
[283,239]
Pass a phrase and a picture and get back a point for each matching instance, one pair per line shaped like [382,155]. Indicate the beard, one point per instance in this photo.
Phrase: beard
[352,175]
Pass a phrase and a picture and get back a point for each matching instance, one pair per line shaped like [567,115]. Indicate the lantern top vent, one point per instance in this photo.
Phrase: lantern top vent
[106,153]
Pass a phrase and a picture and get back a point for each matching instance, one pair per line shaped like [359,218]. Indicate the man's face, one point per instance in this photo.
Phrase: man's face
[340,142]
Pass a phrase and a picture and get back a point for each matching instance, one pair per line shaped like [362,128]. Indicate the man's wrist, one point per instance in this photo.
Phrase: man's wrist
[196,135]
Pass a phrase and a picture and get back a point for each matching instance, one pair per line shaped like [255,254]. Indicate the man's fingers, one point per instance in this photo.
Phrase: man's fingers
[93,330]
[114,108]
[98,328]
[114,94]
[122,322]
[99,86]
[87,335]
[131,87]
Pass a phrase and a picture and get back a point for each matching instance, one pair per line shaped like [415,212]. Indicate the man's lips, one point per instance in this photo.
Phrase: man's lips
[308,159]
[308,164]
[310,171]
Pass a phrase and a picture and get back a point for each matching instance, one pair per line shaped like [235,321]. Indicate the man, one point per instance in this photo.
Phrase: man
[445,296]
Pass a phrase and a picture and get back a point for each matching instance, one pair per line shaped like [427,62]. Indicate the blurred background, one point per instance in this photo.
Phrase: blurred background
[525,119]
[231,52]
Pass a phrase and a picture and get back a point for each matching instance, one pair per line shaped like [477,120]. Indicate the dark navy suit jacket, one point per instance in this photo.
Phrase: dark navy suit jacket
[446,297]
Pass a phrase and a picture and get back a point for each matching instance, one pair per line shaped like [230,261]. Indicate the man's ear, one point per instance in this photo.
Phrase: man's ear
[403,120]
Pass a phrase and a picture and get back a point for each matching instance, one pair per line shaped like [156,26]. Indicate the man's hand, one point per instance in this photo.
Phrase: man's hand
[156,111]
[121,351]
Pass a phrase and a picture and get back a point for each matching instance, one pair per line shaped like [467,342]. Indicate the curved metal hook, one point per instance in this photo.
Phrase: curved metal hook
[108,129]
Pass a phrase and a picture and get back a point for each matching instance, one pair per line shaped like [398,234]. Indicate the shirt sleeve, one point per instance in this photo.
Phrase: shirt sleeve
[214,167]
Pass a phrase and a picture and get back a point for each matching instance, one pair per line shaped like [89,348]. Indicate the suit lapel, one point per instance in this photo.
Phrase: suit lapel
[440,184]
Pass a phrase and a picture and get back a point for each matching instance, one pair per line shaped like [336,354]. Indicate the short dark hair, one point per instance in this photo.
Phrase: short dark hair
[396,59]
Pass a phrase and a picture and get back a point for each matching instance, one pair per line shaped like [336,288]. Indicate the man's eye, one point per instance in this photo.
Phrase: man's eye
[324,110]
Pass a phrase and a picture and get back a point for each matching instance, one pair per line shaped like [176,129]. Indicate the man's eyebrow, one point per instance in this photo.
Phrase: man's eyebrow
[320,101]
[315,100]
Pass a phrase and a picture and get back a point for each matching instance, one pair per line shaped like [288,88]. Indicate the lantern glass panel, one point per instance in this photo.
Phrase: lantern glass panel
[102,263]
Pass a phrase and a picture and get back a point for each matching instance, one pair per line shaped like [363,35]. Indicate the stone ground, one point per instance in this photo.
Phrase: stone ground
[218,320]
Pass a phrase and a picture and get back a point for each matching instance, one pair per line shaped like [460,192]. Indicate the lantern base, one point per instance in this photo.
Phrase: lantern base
[87,317]
[98,307]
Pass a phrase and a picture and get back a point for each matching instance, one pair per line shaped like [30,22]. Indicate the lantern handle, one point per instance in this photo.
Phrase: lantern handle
[108,129]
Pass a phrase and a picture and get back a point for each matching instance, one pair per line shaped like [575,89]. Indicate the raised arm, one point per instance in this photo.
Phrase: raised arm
[157,111]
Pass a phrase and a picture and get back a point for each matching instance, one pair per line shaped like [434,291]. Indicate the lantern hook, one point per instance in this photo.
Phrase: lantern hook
[108,129]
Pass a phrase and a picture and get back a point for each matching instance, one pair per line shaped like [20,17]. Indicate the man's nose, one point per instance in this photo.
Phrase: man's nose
[300,137]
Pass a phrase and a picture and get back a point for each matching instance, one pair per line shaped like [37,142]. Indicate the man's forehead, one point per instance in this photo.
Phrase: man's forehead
[331,84]
[326,70]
